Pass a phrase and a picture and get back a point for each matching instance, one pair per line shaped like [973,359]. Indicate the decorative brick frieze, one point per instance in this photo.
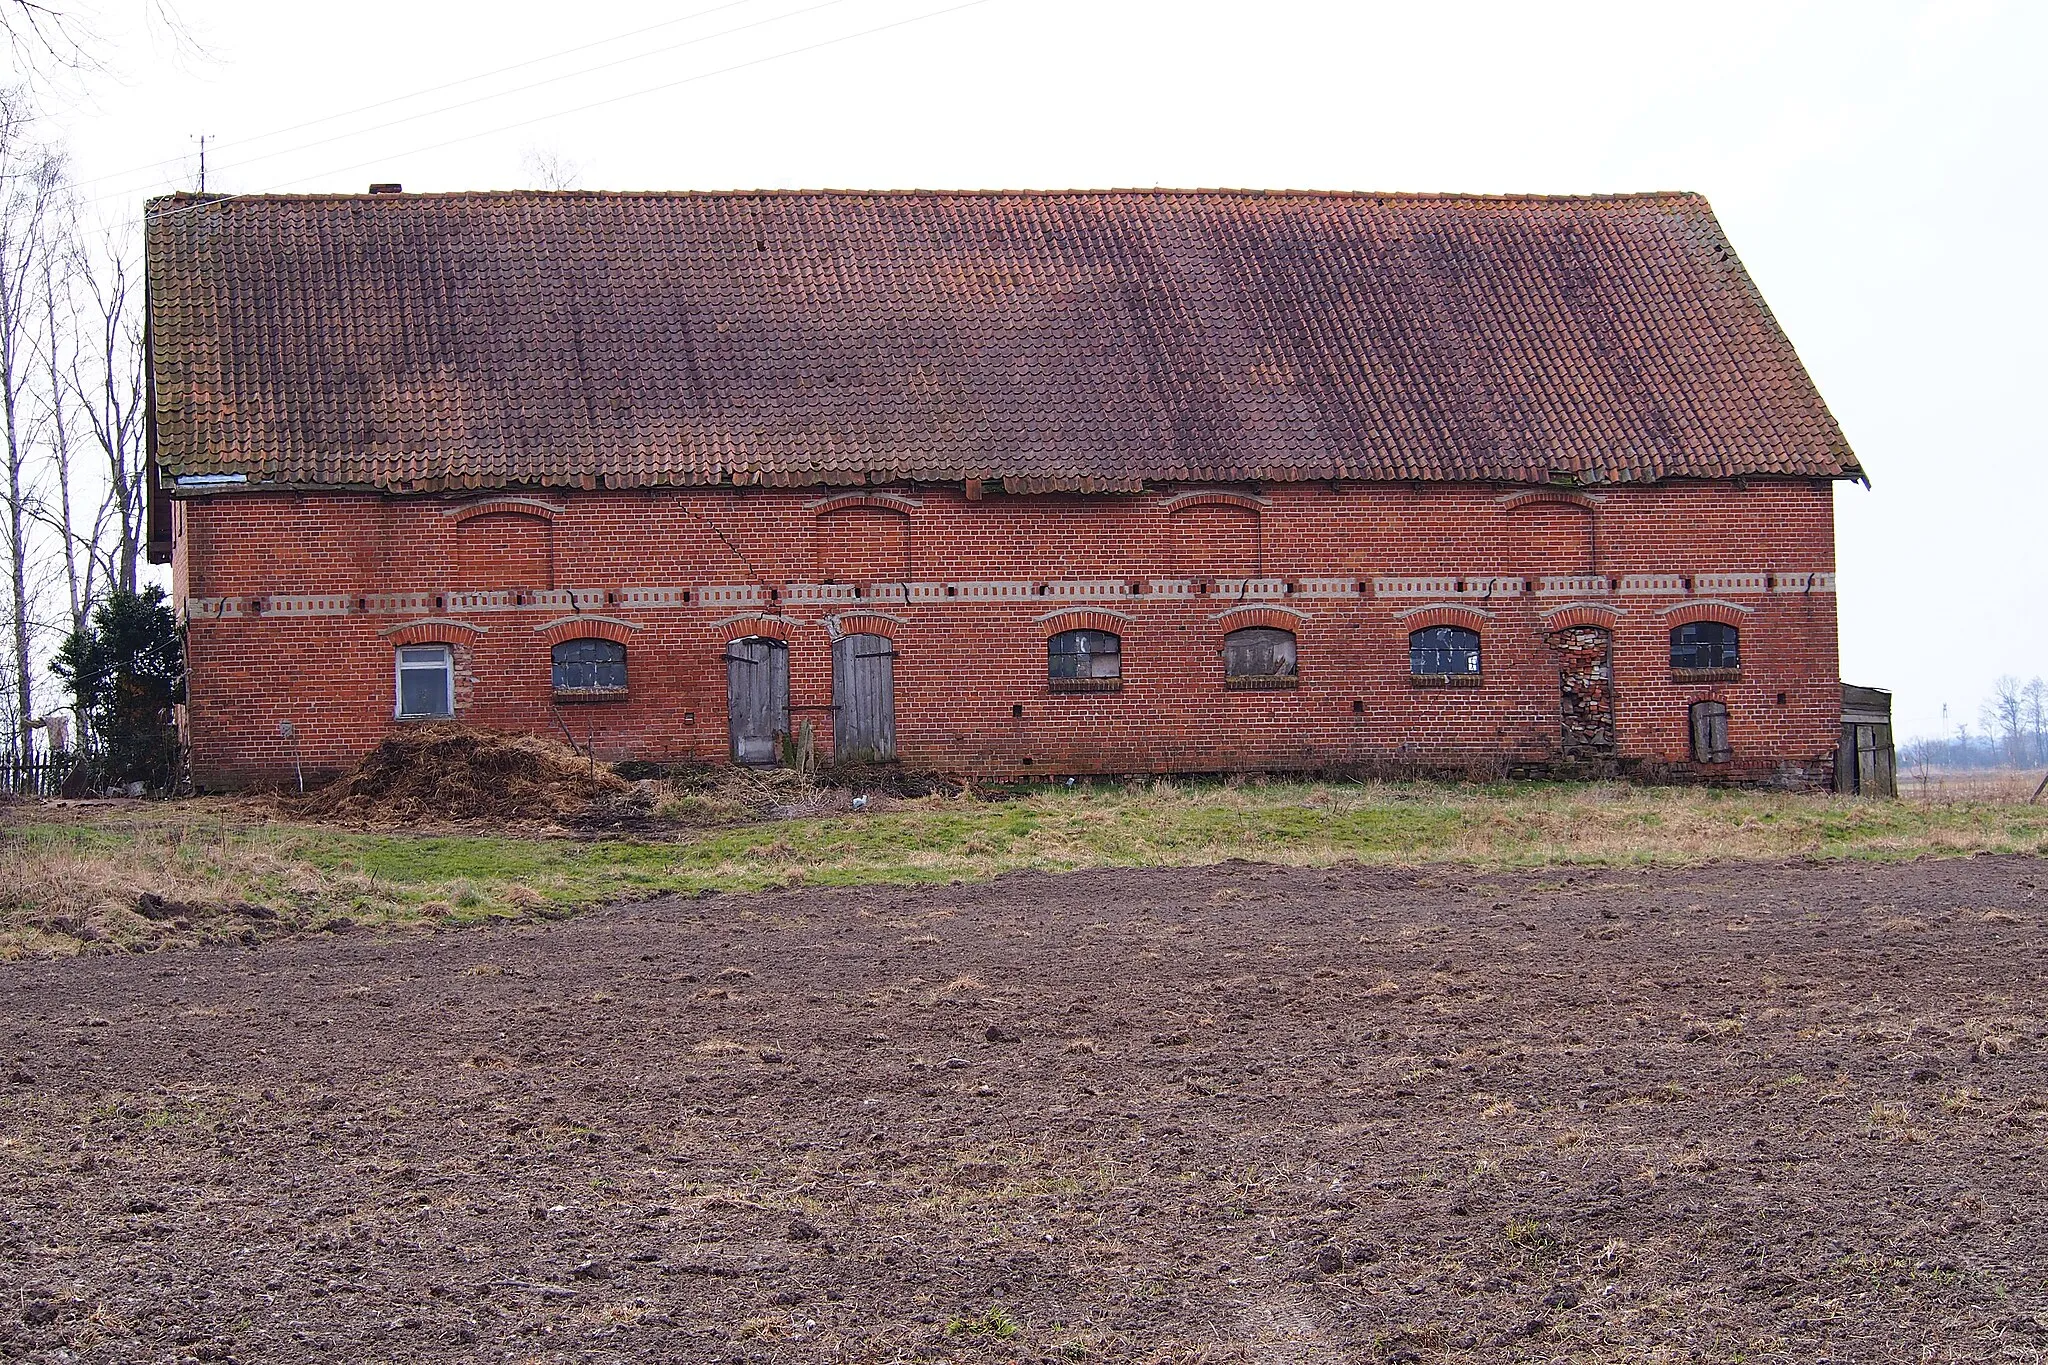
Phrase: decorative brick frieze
[1572,585]
[567,599]
[502,600]
[201,609]
[1711,584]
[805,594]
[471,602]
[1249,589]
[988,591]
[287,604]
[726,597]
[1088,590]
[653,597]
[1434,585]
[399,603]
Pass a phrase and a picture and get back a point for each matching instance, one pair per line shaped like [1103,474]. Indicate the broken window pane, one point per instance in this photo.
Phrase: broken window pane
[1085,661]
[590,665]
[1443,649]
[1259,656]
[1705,644]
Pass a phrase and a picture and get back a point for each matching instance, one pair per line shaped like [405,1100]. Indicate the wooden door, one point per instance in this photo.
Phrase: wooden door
[757,698]
[1585,673]
[863,699]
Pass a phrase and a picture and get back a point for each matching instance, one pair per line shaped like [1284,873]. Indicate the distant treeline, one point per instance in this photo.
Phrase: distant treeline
[2012,733]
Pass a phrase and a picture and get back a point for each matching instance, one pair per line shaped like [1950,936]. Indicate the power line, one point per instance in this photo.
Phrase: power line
[536,85]
[581,108]
[434,89]
[532,85]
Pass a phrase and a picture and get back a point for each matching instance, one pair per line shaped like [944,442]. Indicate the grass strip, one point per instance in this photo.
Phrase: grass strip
[135,876]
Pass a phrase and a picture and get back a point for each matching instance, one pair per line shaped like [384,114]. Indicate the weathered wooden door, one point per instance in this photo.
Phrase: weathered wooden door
[1585,673]
[757,698]
[863,699]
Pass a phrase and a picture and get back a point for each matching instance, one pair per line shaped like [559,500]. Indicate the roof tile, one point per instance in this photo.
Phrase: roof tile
[1047,340]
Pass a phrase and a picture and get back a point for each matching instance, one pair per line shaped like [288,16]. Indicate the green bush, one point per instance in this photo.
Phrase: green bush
[126,670]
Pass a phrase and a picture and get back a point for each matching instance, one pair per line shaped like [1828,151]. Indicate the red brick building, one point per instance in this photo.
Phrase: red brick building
[998,483]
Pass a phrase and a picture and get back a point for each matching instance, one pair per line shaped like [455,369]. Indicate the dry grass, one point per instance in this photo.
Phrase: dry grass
[2002,785]
[101,876]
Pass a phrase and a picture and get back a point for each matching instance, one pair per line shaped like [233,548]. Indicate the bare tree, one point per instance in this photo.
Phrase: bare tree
[58,344]
[41,37]
[548,169]
[2001,716]
[106,382]
[51,39]
[2034,697]
[30,176]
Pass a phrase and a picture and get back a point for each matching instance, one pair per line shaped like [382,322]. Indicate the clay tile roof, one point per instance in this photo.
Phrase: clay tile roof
[1048,340]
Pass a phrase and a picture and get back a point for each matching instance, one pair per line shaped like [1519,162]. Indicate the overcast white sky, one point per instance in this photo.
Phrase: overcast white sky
[1880,167]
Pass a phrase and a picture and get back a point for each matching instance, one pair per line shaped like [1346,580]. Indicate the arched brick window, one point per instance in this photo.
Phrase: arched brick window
[1705,646]
[1085,661]
[1444,652]
[1260,658]
[589,667]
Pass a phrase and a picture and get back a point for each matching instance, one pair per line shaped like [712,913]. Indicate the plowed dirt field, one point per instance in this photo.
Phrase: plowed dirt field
[1735,1112]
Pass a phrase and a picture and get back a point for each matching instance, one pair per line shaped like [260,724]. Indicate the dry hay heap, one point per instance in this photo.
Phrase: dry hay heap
[457,772]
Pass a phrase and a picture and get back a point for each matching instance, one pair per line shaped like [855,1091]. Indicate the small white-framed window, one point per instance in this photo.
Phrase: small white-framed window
[426,681]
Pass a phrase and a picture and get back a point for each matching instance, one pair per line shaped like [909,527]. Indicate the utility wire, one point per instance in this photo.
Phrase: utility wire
[530,86]
[578,109]
[435,89]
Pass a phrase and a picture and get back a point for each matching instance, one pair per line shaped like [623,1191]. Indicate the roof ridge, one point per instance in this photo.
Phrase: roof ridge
[1156,191]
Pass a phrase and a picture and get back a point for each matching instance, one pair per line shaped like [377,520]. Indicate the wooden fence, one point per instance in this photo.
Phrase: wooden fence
[38,774]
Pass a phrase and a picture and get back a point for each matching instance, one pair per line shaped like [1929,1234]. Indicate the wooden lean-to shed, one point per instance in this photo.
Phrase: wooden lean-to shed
[1865,764]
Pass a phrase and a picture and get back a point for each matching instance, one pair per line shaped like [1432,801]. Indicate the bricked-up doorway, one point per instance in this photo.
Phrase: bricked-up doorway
[757,698]
[1585,670]
[864,699]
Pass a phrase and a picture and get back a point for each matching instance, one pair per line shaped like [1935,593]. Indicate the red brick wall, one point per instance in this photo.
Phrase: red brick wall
[284,624]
